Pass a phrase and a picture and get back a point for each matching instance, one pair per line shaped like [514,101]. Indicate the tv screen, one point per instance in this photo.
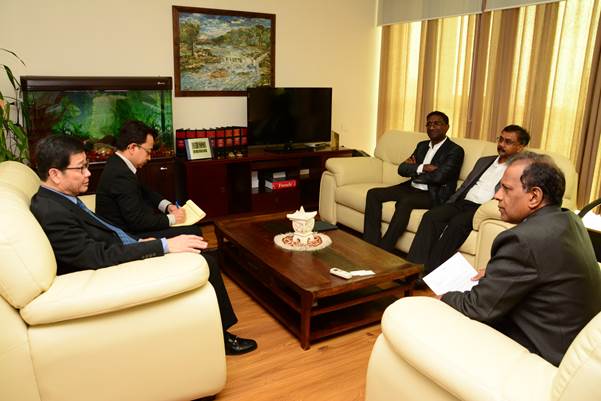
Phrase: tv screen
[286,116]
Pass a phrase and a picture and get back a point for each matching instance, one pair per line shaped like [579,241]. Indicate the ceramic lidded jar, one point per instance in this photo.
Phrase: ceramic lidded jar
[302,224]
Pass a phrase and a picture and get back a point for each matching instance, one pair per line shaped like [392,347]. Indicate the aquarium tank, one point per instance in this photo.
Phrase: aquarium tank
[93,109]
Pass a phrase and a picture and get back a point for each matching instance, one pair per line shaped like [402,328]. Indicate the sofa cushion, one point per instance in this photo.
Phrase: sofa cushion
[354,195]
[28,265]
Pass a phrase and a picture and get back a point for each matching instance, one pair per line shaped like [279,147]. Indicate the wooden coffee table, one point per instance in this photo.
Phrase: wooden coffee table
[297,288]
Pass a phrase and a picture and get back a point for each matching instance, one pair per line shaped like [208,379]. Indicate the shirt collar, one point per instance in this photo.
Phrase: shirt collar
[70,197]
[127,162]
[438,145]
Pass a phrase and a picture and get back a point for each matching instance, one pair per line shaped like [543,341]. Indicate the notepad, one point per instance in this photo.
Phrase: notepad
[193,214]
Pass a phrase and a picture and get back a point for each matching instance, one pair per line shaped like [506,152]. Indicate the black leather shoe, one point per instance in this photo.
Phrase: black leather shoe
[235,345]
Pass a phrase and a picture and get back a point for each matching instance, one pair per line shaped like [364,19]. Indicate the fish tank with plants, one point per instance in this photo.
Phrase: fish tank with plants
[93,109]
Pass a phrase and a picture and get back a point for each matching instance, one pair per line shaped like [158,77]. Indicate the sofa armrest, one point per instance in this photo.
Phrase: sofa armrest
[355,170]
[468,359]
[488,210]
[94,292]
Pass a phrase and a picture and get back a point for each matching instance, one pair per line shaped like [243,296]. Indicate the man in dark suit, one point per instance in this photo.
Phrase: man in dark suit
[443,229]
[433,168]
[542,284]
[81,240]
[124,201]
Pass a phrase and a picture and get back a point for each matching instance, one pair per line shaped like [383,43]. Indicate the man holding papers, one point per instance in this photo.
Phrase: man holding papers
[542,284]
[124,201]
[444,228]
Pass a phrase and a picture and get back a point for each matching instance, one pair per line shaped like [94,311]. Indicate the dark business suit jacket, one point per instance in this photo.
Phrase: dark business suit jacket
[79,241]
[542,284]
[442,182]
[124,201]
[482,164]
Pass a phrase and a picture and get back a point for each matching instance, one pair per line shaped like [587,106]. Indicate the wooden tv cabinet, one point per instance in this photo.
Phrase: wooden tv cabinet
[223,186]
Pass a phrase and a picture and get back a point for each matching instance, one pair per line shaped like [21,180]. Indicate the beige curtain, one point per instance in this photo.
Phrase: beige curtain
[589,187]
[529,66]
[415,80]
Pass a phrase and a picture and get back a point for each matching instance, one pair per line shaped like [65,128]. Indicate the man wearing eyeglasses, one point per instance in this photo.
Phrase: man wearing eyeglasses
[443,229]
[433,169]
[124,201]
[81,240]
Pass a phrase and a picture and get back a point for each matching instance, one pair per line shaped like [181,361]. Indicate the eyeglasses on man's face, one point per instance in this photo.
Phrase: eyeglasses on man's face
[436,124]
[82,168]
[507,141]
[148,152]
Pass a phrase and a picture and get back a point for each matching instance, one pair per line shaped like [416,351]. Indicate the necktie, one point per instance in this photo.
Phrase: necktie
[125,238]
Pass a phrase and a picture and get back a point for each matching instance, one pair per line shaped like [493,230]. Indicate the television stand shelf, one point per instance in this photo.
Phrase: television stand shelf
[224,186]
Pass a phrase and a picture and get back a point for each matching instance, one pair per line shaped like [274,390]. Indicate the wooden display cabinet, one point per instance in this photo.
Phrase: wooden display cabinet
[223,186]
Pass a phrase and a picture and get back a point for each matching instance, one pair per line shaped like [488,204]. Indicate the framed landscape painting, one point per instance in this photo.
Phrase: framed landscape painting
[221,52]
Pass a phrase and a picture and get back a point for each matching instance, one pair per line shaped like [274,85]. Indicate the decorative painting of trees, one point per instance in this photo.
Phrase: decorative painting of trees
[220,52]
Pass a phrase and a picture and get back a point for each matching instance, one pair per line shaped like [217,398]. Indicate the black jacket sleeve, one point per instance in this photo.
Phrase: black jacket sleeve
[449,163]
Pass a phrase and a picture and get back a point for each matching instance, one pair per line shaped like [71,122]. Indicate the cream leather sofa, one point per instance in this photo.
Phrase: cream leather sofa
[144,330]
[413,359]
[345,183]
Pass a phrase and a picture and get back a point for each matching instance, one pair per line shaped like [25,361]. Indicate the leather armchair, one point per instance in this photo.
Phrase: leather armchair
[143,330]
[429,351]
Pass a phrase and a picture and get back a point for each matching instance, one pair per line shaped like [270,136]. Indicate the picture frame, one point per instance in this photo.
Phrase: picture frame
[198,148]
[222,52]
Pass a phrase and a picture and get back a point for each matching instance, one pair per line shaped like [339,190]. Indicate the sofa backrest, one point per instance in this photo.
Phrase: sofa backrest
[578,375]
[393,148]
[473,149]
[27,263]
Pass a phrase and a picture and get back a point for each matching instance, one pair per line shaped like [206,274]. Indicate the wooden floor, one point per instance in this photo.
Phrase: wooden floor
[279,370]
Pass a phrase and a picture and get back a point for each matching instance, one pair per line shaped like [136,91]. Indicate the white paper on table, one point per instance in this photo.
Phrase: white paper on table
[453,275]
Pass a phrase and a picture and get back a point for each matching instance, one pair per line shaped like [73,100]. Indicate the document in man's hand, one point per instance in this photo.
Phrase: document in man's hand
[453,275]
[193,214]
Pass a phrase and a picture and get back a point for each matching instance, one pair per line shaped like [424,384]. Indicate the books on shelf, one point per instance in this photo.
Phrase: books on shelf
[277,175]
[280,184]
[193,214]
[254,179]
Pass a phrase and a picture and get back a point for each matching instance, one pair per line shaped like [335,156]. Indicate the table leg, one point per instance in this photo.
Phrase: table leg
[305,321]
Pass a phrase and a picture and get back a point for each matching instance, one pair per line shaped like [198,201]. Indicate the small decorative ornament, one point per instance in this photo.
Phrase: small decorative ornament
[302,223]
[303,238]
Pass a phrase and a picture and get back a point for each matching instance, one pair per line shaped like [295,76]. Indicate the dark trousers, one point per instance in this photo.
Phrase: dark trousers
[441,232]
[228,317]
[407,198]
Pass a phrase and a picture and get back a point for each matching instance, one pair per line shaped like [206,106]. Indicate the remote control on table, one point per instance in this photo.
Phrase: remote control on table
[341,273]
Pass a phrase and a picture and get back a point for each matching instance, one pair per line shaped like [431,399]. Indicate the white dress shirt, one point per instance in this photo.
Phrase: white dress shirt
[484,189]
[427,159]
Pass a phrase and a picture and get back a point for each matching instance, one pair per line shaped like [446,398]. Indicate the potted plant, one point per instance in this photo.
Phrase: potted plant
[13,139]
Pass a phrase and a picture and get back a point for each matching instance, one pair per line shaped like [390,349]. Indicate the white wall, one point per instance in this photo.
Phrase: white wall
[318,43]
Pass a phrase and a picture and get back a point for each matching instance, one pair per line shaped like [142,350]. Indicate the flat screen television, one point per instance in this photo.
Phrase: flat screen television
[93,109]
[288,117]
